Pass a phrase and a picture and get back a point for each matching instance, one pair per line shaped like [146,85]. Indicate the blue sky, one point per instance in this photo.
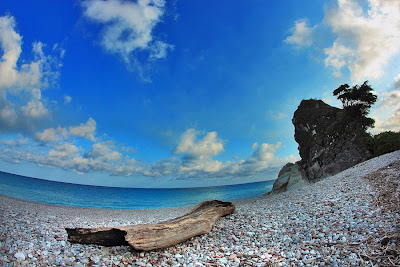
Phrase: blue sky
[180,93]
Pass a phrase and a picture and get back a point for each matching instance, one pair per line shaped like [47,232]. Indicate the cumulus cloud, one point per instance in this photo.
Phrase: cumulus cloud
[35,109]
[128,27]
[254,146]
[387,113]
[23,83]
[102,157]
[261,159]
[104,150]
[84,130]
[163,167]
[198,153]
[51,135]
[16,142]
[209,145]
[63,152]
[397,82]
[195,152]
[301,33]
[365,38]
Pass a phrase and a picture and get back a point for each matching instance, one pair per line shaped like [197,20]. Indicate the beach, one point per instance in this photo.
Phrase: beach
[334,222]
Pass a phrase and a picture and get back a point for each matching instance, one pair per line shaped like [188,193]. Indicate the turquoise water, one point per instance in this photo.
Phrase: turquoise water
[65,194]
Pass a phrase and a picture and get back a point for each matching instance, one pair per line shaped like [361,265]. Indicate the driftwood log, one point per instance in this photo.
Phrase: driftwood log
[147,237]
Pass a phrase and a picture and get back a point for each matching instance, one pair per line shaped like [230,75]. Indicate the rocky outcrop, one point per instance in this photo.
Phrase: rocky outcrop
[289,178]
[329,139]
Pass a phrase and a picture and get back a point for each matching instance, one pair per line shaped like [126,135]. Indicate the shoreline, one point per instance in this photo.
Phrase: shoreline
[38,206]
[326,223]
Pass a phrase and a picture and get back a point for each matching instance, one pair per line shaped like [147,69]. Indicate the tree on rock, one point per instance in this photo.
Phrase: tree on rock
[357,102]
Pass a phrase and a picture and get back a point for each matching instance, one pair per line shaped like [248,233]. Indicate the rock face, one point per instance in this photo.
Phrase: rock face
[329,139]
[289,178]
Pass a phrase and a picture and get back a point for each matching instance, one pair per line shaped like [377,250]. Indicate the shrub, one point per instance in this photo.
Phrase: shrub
[384,142]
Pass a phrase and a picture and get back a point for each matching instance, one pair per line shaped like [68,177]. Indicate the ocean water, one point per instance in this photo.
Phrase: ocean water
[74,195]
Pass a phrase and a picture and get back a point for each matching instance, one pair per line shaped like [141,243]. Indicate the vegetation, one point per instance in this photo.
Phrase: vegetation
[384,142]
[357,101]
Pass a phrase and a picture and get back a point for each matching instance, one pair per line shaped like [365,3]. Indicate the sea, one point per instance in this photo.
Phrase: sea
[88,196]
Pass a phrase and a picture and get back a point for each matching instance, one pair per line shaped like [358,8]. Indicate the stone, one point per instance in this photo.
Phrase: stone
[329,139]
[19,256]
[289,178]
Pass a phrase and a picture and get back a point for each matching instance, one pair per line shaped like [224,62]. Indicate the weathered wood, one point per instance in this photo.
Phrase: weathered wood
[146,237]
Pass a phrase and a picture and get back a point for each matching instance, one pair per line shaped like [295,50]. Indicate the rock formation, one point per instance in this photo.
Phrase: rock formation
[330,141]
[289,178]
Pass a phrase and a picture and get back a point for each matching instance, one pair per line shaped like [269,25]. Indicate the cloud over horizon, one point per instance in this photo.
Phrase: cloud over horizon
[195,156]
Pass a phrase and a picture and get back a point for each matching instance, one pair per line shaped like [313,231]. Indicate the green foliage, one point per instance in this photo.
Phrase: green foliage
[384,142]
[357,101]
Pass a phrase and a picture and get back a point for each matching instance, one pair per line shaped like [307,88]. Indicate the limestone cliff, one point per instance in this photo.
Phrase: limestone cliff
[330,141]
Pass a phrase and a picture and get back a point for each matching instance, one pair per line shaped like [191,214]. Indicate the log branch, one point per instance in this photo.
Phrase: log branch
[147,237]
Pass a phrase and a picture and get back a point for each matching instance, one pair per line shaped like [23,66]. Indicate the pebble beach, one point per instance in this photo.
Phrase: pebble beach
[334,222]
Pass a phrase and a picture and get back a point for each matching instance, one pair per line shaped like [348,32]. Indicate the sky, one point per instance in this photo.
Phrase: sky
[155,93]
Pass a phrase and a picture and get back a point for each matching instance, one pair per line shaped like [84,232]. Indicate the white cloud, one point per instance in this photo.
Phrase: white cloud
[23,83]
[128,149]
[63,152]
[103,157]
[254,146]
[128,27]
[365,39]
[261,159]
[302,34]
[387,113]
[67,99]
[84,130]
[397,82]
[52,135]
[16,142]
[166,166]
[104,151]
[197,159]
[35,109]
[196,151]
[10,42]
[160,50]
[210,145]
